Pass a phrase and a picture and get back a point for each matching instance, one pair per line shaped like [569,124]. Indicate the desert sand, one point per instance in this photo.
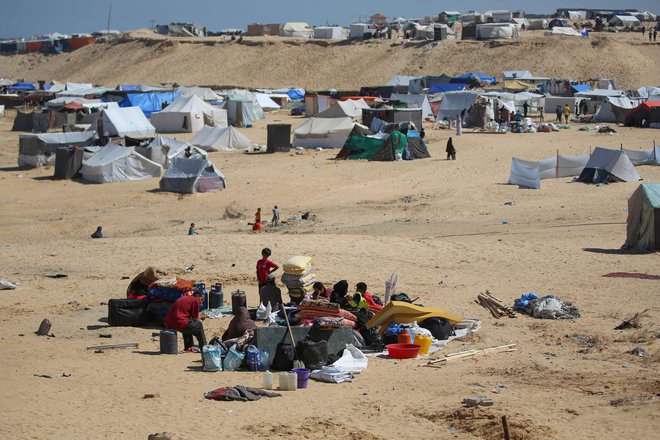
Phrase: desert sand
[438,223]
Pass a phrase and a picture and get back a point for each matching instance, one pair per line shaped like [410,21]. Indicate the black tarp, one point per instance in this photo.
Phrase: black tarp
[68,162]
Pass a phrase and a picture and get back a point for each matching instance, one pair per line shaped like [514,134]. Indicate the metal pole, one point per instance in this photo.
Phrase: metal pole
[109,15]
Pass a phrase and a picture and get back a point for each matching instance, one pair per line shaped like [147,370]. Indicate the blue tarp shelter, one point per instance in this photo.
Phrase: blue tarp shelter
[580,88]
[149,102]
[296,94]
[482,77]
[22,86]
[450,87]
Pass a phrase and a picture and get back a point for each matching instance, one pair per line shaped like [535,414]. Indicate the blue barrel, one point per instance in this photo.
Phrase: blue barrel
[215,297]
[168,342]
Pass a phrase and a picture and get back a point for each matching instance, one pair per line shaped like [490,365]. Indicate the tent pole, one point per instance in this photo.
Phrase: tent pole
[557,165]
[621,147]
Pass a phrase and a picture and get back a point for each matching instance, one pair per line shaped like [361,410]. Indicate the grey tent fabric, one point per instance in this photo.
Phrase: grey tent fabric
[68,162]
[605,166]
[163,149]
[115,163]
[188,176]
[35,150]
[221,139]
[643,224]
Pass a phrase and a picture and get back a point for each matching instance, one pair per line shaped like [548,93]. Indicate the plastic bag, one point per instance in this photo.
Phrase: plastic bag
[263,312]
[212,357]
[233,360]
[352,360]
[415,330]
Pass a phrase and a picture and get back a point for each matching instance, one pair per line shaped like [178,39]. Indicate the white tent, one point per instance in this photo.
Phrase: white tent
[329,32]
[124,121]
[204,93]
[163,150]
[609,111]
[606,166]
[188,176]
[453,104]
[114,163]
[529,174]
[562,31]
[221,139]
[300,30]
[415,101]
[490,31]
[188,114]
[623,21]
[323,132]
[351,108]
[266,102]
[577,15]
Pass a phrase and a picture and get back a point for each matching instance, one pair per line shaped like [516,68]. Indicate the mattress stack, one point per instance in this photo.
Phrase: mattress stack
[324,314]
[298,277]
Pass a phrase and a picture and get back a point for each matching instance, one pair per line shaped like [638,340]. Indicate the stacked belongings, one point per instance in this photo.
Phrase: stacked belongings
[324,315]
[406,313]
[163,293]
[299,277]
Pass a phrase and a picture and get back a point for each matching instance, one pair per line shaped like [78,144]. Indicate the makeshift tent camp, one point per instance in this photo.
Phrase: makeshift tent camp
[415,101]
[204,93]
[490,31]
[329,32]
[188,176]
[221,139]
[114,163]
[266,102]
[605,166]
[378,118]
[528,174]
[644,157]
[33,121]
[613,110]
[454,103]
[163,150]
[562,31]
[127,121]
[623,21]
[643,224]
[351,108]
[647,114]
[148,102]
[322,132]
[188,114]
[36,150]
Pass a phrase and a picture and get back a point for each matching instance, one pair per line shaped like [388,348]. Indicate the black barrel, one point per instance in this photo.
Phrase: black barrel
[279,137]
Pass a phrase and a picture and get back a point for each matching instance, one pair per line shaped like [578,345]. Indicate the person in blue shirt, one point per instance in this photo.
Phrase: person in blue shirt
[192,230]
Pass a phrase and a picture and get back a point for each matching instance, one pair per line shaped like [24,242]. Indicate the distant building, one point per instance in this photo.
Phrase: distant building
[378,19]
[181,30]
[263,30]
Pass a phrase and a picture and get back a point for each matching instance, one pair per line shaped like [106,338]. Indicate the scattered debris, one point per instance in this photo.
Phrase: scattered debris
[6,285]
[469,353]
[547,307]
[638,351]
[189,268]
[631,400]
[105,335]
[151,395]
[99,351]
[112,346]
[44,328]
[509,203]
[58,275]
[494,305]
[161,436]
[470,402]
[48,376]
[641,276]
[632,322]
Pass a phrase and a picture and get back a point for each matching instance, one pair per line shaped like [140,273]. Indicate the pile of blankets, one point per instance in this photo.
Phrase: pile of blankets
[325,315]
[299,277]
[547,307]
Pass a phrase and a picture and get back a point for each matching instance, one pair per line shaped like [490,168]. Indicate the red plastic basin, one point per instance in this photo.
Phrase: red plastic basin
[403,351]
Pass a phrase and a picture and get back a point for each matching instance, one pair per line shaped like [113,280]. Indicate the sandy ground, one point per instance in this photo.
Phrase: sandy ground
[446,241]
[144,57]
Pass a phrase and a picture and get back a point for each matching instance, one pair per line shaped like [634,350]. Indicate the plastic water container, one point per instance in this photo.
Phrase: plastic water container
[284,380]
[404,337]
[302,375]
[238,300]
[215,297]
[291,381]
[265,360]
[423,341]
[267,380]
[168,342]
[253,358]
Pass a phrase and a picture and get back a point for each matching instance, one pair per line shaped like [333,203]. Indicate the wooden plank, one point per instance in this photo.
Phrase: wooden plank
[112,346]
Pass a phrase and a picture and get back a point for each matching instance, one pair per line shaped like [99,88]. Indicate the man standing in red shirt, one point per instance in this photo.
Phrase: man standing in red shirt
[184,317]
[265,267]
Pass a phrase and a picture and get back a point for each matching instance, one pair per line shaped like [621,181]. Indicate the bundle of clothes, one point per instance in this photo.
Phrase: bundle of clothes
[547,307]
[298,277]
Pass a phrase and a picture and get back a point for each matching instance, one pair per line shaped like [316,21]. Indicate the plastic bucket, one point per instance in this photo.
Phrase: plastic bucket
[168,342]
[303,376]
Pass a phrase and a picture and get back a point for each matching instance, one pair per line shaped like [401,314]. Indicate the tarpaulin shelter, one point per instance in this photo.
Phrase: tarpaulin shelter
[163,150]
[392,116]
[351,108]
[447,87]
[647,114]
[221,139]
[323,132]
[188,114]
[205,93]
[21,87]
[490,31]
[266,102]
[561,31]
[189,176]
[32,121]
[453,104]
[613,110]
[36,150]
[415,101]
[643,223]
[528,174]
[114,163]
[482,77]
[297,30]
[605,166]
[149,102]
[126,121]
[243,108]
